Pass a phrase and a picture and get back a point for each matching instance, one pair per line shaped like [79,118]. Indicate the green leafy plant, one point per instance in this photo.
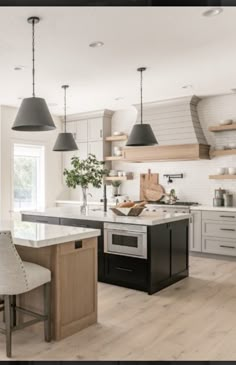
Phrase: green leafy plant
[85,172]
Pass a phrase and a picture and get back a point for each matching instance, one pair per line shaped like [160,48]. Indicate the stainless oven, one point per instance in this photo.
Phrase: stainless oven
[125,239]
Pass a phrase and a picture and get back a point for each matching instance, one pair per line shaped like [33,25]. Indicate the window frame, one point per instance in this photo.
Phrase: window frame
[28,143]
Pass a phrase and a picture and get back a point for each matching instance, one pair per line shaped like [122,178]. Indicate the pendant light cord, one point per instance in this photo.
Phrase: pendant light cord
[141,94]
[65,108]
[65,87]
[33,57]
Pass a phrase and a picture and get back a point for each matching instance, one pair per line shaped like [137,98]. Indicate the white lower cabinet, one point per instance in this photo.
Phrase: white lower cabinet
[219,246]
[219,233]
[195,231]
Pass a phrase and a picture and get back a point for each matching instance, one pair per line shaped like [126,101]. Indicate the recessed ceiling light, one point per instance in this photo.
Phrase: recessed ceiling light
[187,86]
[18,68]
[119,98]
[20,98]
[96,44]
[212,12]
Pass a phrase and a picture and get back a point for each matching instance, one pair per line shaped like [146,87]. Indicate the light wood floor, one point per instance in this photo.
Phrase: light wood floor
[194,319]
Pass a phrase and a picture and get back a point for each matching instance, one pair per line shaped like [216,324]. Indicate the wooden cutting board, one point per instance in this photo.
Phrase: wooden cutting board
[150,189]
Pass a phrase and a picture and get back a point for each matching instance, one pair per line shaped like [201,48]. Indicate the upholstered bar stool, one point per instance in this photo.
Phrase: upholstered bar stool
[18,277]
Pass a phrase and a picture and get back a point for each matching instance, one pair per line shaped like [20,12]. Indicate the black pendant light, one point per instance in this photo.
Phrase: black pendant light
[33,115]
[65,141]
[141,134]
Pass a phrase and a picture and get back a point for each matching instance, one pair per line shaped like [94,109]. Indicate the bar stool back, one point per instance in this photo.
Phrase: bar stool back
[18,277]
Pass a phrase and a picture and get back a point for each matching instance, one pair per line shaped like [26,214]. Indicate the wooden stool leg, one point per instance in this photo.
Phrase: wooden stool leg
[47,312]
[8,322]
[13,311]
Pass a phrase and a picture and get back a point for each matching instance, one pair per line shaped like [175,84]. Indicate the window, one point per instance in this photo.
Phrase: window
[28,177]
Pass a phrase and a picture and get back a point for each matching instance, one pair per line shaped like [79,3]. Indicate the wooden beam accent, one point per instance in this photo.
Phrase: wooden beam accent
[114,158]
[222,128]
[183,152]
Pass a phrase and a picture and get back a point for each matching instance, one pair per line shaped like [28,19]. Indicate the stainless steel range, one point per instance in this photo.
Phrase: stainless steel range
[178,207]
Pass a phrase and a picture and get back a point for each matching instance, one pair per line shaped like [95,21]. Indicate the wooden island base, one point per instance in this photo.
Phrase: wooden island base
[74,284]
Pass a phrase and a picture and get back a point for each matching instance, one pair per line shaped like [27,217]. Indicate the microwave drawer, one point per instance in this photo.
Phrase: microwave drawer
[219,215]
[214,229]
[219,246]
[126,270]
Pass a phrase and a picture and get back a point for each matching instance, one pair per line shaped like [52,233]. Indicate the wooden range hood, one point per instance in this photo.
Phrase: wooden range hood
[183,152]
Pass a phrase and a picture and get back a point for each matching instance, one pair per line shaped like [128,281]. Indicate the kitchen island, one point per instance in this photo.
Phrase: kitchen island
[71,255]
[148,252]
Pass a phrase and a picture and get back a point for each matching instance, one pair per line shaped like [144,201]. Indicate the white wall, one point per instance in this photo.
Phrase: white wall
[53,160]
[195,186]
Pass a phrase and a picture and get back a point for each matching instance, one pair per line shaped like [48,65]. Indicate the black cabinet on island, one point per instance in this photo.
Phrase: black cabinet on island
[145,253]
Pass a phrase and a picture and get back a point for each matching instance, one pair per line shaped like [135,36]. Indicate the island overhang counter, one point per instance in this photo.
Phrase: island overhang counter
[70,253]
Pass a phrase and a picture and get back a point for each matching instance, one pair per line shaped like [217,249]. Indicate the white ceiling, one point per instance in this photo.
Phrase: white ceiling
[177,44]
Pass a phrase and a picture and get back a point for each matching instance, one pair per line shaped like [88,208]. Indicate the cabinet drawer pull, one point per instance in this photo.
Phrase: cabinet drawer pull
[227,216]
[227,229]
[225,246]
[123,269]
[101,133]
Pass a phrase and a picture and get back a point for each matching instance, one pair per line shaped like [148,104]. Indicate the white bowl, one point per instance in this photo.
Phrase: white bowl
[232,170]
[226,122]
[232,145]
[116,133]
[221,170]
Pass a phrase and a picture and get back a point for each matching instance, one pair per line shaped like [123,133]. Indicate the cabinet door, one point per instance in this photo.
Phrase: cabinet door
[95,129]
[83,150]
[195,231]
[96,148]
[159,255]
[179,246]
[82,131]
[67,158]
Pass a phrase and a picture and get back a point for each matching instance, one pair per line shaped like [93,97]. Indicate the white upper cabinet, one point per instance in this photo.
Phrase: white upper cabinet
[82,130]
[95,129]
[96,148]
[83,150]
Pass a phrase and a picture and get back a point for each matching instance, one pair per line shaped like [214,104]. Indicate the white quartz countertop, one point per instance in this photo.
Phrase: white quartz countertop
[209,207]
[41,235]
[144,219]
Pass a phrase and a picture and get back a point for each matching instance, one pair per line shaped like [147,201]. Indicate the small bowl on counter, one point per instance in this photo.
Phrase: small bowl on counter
[221,170]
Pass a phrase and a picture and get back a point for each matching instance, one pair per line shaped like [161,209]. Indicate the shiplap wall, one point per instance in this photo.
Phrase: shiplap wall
[174,121]
[195,186]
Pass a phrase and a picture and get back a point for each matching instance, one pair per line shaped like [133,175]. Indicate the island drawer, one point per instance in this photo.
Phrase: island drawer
[124,270]
[219,246]
[219,215]
[40,219]
[217,229]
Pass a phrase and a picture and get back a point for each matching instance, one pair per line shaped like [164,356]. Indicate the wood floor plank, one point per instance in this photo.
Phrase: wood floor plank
[195,319]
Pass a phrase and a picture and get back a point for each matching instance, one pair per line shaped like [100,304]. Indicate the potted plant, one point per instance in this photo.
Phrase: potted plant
[84,173]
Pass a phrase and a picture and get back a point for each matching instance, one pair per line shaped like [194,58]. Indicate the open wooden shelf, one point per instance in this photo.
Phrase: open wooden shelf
[222,128]
[113,158]
[122,137]
[223,152]
[220,177]
[119,178]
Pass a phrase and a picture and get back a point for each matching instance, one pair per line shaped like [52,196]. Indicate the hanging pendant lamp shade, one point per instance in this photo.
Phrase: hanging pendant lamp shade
[141,134]
[65,141]
[33,114]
